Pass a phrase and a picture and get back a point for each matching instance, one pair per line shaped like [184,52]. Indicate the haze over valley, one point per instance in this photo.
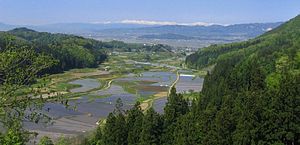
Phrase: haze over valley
[194,35]
[171,72]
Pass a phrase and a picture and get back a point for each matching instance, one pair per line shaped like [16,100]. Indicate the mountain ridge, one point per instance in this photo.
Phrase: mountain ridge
[91,27]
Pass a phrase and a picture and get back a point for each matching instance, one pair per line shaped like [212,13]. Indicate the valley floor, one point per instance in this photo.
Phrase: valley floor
[90,94]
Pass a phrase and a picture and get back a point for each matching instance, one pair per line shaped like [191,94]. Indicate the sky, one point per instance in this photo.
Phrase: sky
[36,12]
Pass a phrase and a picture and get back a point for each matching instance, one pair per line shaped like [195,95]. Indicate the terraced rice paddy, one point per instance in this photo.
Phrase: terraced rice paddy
[93,95]
[147,84]
[159,104]
[188,83]
[86,85]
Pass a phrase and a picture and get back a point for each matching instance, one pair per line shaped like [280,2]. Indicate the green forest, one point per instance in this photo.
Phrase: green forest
[251,96]
[67,51]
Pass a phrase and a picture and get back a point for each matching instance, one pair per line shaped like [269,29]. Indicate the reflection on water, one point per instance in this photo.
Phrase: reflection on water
[101,107]
[114,89]
[159,78]
[98,104]
[57,110]
[149,83]
[159,105]
[188,83]
[86,85]
[126,99]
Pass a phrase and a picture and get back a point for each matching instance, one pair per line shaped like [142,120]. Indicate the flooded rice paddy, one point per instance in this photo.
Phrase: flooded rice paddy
[189,83]
[86,85]
[86,110]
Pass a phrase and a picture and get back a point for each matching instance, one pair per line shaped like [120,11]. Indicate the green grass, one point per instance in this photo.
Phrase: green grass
[143,98]
[92,98]
[64,86]
[83,70]
[128,86]
[191,96]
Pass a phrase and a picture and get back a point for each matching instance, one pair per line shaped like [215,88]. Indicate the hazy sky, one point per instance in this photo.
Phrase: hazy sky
[183,11]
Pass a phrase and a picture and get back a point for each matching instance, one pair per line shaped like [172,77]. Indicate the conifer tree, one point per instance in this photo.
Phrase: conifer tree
[152,128]
[134,124]
[175,107]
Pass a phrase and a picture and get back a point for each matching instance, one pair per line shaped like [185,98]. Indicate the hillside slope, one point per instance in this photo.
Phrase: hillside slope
[278,37]
[252,96]
[69,51]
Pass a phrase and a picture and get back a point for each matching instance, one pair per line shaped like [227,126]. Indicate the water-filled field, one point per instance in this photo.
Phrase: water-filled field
[159,104]
[185,84]
[86,85]
[100,103]
[85,111]
[188,83]
[147,84]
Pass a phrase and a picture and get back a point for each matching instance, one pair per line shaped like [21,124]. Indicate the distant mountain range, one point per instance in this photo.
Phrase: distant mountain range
[166,36]
[238,30]
[5,27]
[73,28]
[190,36]
[197,36]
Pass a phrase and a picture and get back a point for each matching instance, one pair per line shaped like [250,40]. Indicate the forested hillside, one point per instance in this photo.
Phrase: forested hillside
[252,96]
[277,37]
[69,51]
[121,46]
